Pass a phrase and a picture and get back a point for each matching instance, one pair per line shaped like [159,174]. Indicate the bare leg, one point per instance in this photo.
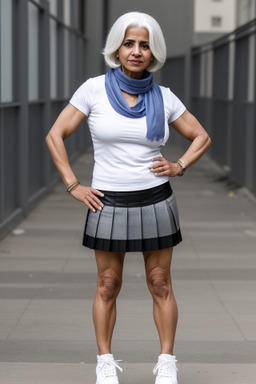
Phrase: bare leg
[110,268]
[158,265]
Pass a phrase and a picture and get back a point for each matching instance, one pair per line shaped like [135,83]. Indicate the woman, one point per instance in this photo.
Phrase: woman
[131,204]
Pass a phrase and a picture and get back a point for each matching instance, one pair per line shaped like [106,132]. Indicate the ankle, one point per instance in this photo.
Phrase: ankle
[167,347]
[104,349]
[167,352]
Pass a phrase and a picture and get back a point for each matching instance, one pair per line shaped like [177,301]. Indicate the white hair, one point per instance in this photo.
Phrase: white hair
[141,20]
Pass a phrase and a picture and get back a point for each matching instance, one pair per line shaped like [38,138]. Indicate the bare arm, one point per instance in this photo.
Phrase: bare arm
[67,122]
[190,128]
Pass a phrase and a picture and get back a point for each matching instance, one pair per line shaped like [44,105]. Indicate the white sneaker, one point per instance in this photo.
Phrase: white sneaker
[106,369]
[166,370]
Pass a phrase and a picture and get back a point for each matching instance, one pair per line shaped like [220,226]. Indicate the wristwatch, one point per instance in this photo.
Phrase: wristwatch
[183,166]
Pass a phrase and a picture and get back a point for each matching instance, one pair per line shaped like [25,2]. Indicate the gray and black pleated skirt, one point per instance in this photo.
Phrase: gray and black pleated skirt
[134,221]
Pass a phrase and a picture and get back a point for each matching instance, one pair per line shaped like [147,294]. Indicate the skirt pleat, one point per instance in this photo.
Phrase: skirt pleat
[105,223]
[124,227]
[149,228]
[134,224]
[119,230]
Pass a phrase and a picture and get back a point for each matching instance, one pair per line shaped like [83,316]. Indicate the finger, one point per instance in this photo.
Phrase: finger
[93,205]
[159,168]
[156,165]
[158,161]
[96,202]
[160,158]
[86,195]
[90,196]
[89,206]
[96,192]
[160,174]
[156,170]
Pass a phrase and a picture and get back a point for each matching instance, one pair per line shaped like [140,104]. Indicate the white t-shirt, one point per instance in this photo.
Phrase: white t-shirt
[122,154]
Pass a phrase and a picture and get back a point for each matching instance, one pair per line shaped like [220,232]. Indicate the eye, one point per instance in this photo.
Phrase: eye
[127,44]
[145,46]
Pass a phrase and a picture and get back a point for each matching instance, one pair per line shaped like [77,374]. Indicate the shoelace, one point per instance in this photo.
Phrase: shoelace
[165,368]
[108,368]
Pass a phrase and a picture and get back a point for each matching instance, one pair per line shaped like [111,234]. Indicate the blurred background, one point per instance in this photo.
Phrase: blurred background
[48,48]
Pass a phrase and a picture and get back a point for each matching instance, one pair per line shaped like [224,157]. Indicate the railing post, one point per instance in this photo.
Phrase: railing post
[44,86]
[21,68]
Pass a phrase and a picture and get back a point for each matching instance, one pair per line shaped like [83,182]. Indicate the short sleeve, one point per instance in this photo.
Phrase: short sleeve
[82,99]
[177,108]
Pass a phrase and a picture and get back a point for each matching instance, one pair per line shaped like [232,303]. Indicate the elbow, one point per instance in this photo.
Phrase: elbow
[208,141]
[48,139]
[205,139]
[53,139]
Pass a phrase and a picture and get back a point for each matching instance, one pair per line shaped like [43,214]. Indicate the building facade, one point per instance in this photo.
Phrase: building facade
[212,19]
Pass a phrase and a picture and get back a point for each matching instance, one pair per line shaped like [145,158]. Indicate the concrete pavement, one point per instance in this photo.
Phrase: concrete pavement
[48,281]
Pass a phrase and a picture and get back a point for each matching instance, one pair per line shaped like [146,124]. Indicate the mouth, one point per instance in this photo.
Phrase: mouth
[135,62]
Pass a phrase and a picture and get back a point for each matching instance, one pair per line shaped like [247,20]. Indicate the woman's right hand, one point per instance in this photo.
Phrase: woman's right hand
[88,196]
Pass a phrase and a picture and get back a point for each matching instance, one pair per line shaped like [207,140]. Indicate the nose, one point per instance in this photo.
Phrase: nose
[136,50]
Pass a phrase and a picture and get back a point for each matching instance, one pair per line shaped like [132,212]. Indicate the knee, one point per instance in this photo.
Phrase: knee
[159,283]
[109,285]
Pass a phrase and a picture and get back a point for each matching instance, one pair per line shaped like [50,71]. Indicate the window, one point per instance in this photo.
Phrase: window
[216,21]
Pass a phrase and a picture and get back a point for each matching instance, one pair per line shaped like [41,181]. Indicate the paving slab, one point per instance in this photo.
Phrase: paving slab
[133,373]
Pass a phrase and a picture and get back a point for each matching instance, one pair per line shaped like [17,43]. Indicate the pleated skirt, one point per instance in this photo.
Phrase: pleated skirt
[134,221]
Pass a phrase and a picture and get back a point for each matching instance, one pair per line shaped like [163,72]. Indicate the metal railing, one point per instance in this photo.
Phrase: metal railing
[26,170]
[223,99]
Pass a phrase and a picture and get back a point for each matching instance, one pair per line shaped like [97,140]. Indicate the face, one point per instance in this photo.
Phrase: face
[134,53]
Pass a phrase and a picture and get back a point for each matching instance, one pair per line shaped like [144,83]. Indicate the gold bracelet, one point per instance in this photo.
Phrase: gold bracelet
[72,186]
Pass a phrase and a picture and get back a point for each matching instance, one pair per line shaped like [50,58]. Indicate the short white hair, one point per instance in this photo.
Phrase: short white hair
[141,20]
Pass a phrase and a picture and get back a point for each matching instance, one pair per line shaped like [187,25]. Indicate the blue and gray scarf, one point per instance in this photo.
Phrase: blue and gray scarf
[150,101]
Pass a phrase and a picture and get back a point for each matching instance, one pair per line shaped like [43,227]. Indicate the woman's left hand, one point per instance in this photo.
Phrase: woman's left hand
[163,167]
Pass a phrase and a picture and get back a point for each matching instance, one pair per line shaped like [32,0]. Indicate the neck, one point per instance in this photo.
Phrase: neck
[132,75]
